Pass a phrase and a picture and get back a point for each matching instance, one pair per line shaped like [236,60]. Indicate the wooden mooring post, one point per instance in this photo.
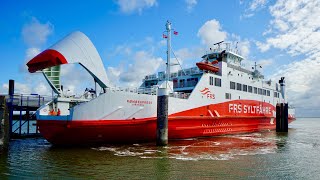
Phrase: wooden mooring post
[282,117]
[4,124]
[162,117]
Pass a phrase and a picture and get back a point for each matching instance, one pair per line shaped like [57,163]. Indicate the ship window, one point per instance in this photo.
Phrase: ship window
[255,90]
[268,93]
[217,82]
[210,80]
[245,87]
[259,91]
[182,83]
[228,95]
[275,94]
[250,89]
[212,56]
[232,85]
[264,92]
[239,86]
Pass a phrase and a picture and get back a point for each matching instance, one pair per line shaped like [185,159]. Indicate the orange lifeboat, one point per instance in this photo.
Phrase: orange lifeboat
[207,66]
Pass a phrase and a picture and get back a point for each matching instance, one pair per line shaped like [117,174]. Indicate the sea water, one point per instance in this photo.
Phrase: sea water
[266,155]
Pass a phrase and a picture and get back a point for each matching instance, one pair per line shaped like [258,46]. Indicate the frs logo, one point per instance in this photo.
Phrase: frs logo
[206,92]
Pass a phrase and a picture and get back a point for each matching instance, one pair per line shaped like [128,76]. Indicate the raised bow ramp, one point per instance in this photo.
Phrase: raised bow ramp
[74,48]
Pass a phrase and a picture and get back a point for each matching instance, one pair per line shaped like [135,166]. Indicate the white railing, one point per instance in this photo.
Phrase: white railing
[149,91]
[28,100]
[185,72]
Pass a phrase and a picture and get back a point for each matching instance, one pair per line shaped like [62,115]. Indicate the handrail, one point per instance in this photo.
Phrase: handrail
[149,91]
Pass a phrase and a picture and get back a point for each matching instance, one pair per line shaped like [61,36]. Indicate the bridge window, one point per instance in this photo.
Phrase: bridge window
[259,91]
[232,85]
[250,89]
[264,92]
[245,87]
[228,95]
[268,93]
[211,80]
[255,90]
[239,86]
[217,82]
[182,83]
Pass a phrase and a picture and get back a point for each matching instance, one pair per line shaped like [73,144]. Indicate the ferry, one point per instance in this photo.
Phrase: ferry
[217,96]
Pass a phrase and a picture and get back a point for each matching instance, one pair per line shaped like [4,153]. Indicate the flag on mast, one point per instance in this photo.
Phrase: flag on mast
[175,32]
[164,36]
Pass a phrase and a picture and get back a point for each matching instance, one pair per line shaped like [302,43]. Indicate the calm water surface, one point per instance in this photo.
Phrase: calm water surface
[266,155]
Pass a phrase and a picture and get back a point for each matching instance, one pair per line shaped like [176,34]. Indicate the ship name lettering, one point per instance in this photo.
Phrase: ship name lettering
[249,109]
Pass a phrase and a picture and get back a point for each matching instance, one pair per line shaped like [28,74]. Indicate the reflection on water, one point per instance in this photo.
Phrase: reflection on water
[215,148]
[255,155]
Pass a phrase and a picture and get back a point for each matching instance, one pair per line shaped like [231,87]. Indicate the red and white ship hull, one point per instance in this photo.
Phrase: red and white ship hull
[230,100]
[198,122]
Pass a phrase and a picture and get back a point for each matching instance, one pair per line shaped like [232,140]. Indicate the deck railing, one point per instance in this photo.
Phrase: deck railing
[149,91]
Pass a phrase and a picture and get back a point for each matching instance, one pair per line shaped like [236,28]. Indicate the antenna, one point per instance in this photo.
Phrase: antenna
[255,66]
[168,29]
[218,43]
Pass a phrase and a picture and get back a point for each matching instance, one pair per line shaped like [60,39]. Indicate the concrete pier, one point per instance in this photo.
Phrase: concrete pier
[162,117]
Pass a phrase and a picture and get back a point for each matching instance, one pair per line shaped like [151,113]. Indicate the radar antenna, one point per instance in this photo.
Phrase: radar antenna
[218,43]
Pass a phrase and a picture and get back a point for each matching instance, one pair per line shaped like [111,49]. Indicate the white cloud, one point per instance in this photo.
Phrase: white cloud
[75,79]
[303,88]
[243,45]
[131,6]
[113,74]
[252,7]
[256,4]
[144,64]
[188,56]
[211,33]
[35,33]
[265,62]
[135,67]
[190,4]
[18,88]
[42,89]
[263,47]
[295,29]
[32,52]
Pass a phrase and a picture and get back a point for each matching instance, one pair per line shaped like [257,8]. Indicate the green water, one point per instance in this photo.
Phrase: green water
[262,155]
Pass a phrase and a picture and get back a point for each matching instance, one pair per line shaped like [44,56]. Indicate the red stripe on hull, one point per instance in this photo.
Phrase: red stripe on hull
[143,130]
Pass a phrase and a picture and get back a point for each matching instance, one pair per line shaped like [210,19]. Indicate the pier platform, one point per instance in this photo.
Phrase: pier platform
[21,114]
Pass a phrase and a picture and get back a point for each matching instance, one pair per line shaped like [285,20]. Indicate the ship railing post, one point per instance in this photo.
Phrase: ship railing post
[162,117]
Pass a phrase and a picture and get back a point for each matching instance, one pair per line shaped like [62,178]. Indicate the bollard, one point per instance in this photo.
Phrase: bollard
[162,117]
[282,117]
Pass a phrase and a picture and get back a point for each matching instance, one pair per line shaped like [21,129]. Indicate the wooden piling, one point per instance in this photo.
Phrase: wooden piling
[282,117]
[4,124]
[162,117]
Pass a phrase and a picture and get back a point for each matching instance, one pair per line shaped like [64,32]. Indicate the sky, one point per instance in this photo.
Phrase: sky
[281,35]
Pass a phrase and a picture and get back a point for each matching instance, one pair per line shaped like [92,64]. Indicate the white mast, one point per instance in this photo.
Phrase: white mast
[168,28]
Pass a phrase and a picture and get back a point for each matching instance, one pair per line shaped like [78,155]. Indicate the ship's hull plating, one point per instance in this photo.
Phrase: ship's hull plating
[62,132]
